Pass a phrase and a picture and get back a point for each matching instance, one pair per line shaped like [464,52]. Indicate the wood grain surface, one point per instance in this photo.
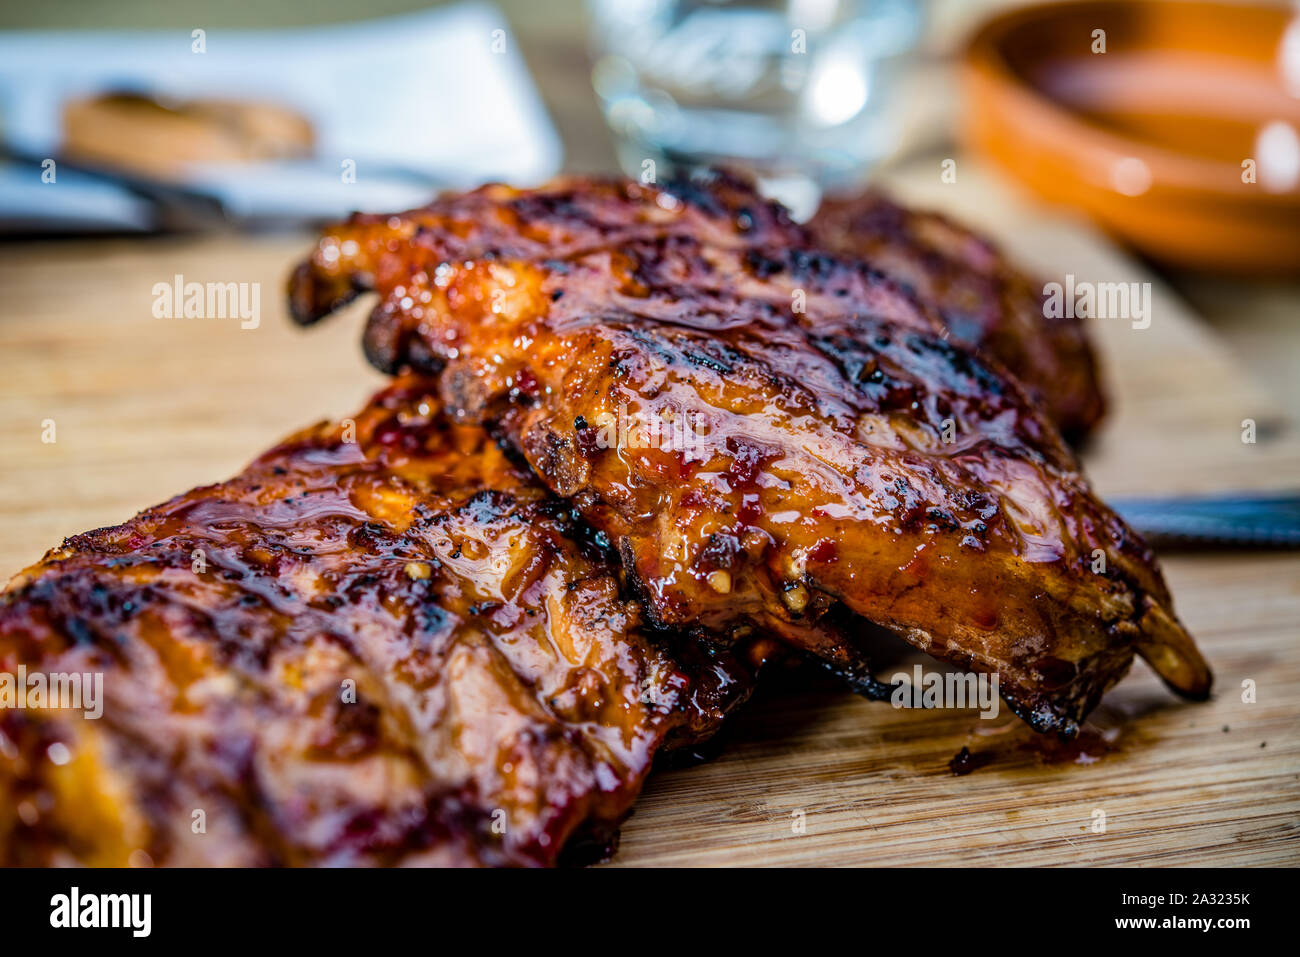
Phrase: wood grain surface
[144,408]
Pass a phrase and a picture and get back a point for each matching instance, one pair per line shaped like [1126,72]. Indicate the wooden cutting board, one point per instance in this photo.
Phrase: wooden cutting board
[144,408]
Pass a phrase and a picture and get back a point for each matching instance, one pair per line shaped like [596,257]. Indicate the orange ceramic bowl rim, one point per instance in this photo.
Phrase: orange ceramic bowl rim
[1175,175]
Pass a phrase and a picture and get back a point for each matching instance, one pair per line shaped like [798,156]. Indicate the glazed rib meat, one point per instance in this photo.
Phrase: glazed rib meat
[844,457]
[983,299]
[381,643]
[962,280]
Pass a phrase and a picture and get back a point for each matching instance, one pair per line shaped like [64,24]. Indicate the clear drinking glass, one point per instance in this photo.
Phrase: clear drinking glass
[803,92]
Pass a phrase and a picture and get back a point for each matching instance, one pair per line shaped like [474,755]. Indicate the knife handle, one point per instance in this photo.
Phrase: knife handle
[1235,519]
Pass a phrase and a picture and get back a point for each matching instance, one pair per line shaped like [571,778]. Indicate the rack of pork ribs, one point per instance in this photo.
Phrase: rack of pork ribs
[460,627]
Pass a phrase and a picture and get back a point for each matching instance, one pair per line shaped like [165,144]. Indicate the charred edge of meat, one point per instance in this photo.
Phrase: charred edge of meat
[862,682]
[312,299]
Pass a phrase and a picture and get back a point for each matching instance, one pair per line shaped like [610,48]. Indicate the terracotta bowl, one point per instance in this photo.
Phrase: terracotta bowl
[1182,138]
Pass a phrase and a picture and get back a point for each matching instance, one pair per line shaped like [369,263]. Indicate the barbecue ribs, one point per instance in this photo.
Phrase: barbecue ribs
[381,643]
[848,457]
[983,299]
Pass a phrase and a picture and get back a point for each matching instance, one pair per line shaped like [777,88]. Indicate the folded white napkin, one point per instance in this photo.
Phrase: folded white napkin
[436,98]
